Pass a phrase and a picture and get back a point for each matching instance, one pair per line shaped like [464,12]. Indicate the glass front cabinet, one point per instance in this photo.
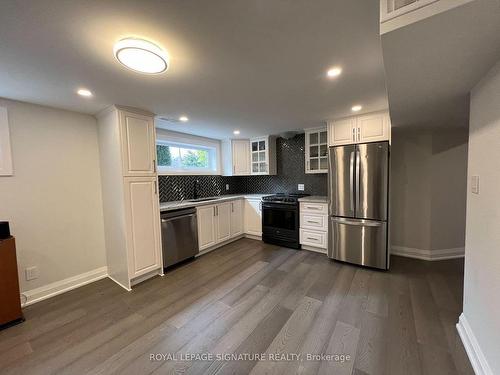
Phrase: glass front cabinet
[316,150]
[263,156]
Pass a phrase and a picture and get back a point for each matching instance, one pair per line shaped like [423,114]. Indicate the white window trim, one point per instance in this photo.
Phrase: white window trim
[5,150]
[168,136]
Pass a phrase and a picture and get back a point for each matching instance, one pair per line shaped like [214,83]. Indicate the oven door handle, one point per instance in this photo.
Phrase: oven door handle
[282,207]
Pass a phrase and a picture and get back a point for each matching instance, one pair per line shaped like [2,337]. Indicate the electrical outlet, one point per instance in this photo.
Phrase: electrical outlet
[475,185]
[301,187]
[227,187]
[31,273]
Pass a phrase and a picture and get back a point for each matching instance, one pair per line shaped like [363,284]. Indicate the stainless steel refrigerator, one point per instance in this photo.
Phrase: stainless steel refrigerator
[358,190]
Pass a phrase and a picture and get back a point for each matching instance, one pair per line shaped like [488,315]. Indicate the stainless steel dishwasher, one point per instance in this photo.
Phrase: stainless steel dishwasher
[179,235]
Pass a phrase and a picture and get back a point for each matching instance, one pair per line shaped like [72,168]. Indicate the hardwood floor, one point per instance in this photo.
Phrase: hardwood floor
[250,297]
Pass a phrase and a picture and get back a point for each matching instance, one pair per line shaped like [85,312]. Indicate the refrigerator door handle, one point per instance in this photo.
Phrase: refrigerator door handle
[358,170]
[359,223]
[351,179]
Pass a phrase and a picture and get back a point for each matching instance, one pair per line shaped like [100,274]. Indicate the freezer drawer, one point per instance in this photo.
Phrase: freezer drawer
[362,242]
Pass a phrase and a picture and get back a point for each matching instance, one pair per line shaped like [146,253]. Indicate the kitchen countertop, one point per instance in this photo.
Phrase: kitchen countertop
[174,205]
[314,199]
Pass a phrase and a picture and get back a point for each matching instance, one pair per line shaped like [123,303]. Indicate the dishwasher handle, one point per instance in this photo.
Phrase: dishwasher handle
[176,218]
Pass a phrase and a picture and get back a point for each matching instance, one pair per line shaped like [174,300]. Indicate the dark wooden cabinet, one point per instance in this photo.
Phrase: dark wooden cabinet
[10,302]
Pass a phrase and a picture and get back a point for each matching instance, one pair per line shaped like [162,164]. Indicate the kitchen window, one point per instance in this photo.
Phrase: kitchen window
[178,153]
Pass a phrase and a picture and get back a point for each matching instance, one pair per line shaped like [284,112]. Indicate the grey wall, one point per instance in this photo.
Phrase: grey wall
[428,188]
[482,245]
[291,167]
[53,201]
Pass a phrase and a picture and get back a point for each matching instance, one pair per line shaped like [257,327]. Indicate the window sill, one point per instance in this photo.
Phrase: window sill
[188,173]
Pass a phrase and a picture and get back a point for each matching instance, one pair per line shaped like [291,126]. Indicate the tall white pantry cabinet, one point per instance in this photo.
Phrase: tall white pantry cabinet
[127,146]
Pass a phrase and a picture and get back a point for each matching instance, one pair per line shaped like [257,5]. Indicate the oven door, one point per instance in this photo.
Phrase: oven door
[280,224]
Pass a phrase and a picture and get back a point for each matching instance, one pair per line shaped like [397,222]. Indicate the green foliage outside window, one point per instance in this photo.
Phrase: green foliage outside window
[195,158]
[163,155]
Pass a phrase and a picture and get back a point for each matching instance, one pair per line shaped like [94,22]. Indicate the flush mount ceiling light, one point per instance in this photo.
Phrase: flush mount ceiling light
[141,56]
[183,119]
[356,108]
[334,72]
[236,132]
[84,92]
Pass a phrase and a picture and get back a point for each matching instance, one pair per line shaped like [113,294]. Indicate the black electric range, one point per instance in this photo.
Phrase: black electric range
[280,219]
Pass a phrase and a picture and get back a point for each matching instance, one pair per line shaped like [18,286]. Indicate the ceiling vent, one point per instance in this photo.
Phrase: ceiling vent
[168,119]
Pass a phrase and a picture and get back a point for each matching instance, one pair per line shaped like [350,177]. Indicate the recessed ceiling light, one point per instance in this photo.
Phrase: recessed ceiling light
[84,92]
[356,108]
[236,132]
[141,55]
[334,72]
[183,119]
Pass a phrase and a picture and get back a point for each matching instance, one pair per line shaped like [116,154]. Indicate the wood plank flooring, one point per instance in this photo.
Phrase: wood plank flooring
[251,297]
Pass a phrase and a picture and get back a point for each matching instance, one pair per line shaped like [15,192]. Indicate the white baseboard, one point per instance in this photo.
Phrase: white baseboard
[439,254]
[476,356]
[253,236]
[59,287]
[315,249]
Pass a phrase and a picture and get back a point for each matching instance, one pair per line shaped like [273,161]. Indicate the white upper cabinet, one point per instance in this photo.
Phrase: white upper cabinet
[342,132]
[241,157]
[395,14]
[138,144]
[316,150]
[236,157]
[263,156]
[371,127]
[244,157]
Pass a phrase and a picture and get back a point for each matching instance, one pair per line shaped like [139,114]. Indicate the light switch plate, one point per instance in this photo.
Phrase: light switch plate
[475,184]
[31,273]
[227,187]
[300,187]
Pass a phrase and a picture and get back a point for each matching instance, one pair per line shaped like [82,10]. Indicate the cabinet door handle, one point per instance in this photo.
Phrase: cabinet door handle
[359,134]
[214,210]
[156,189]
[234,169]
[354,135]
[154,166]
[232,207]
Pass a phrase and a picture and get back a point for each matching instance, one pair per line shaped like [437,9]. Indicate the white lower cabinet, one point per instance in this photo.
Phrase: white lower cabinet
[223,219]
[219,223]
[206,226]
[253,217]
[314,226]
[236,217]
[143,225]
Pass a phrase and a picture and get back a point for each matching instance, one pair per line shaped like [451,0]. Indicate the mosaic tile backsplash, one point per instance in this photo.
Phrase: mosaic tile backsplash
[290,162]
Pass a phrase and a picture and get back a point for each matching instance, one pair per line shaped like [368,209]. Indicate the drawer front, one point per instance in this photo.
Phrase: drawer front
[312,238]
[314,208]
[316,222]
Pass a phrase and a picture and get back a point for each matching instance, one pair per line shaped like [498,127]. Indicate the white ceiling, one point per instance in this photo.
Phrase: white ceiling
[254,65]
[432,65]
